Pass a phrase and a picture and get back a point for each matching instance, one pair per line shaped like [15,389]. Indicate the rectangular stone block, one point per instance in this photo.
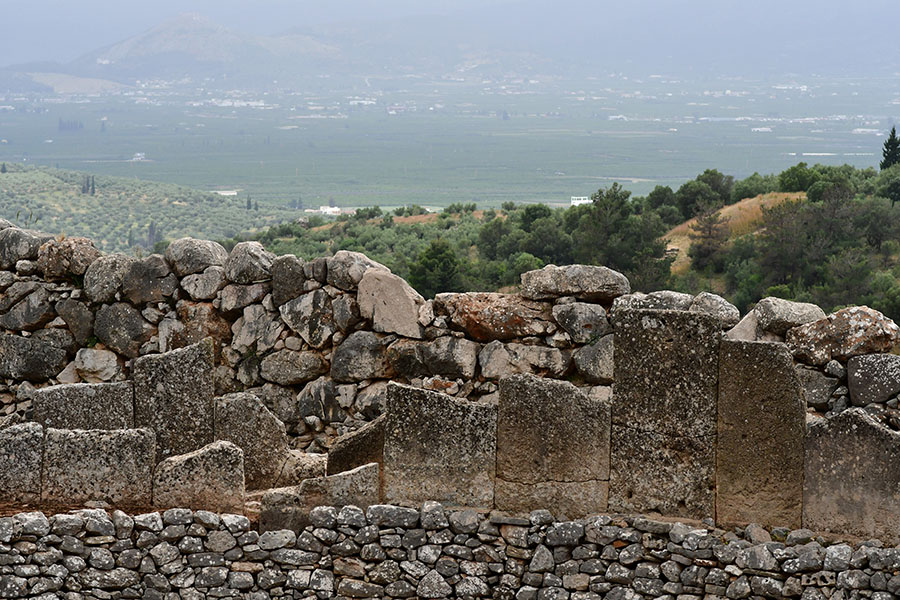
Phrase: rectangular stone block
[552,448]
[173,396]
[211,478]
[21,449]
[762,422]
[852,476]
[437,447]
[110,466]
[663,436]
[85,406]
[357,448]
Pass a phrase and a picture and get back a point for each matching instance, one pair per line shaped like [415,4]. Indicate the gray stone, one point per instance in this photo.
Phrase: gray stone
[583,322]
[319,399]
[346,269]
[311,316]
[17,244]
[717,306]
[745,331]
[289,507]
[85,406]
[498,360]
[103,279]
[289,367]
[211,478]
[79,319]
[257,328]
[188,256]
[249,262]
[596,362]
[851,476]
[87,465]
[849,332]
[357,448]
[490,316]
[777,316]
[817,387]
[446,356]
[438,448]
[361,356]
[243,420]
[552,448]
[122,328]
[94,365]
[234,297]
[32,312]
[660,300]
[873,378]
[149,280]
[173,396]
[589,283]
[205,285]
[30,359]
[761,423]
[288,278]
[21,452]
[433,585]
[386,515]
[390,303]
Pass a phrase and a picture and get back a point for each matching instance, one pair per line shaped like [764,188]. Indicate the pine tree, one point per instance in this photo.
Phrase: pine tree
[93,187]
[891,152]
[249,203]
[3,168]
[708,236]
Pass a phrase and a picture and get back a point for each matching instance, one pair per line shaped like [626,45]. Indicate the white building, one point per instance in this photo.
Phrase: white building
[579,200]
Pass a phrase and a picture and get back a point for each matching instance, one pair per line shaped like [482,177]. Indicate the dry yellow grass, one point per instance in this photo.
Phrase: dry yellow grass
[743,217]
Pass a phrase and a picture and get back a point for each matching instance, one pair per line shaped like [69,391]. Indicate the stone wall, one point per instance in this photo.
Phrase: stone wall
[427,552]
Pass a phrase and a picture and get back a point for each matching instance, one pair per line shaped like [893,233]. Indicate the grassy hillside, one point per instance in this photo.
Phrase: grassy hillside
[124,213]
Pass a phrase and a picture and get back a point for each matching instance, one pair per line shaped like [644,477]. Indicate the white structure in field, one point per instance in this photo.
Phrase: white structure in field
[330,210]
[579,200]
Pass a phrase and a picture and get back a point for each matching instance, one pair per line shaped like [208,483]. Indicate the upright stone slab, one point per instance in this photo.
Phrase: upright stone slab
[211,478]
[437,447]
[95,465]
[852,476]
[552,448]
[357,448]
[21,449]
[762,421]
[663,434]
[85,406]
[173,396]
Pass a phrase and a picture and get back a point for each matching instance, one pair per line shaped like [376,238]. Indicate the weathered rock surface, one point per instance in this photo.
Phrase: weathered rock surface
[210,478]
[660,300]
[32,312]
[717,306]
[30,359]
[762,421]
[311,315]
[357,448]
[149,280]
[490,316]
[746,329]
[447,356]
[288,278]
[205,285]
[122,328]
[551,438]
[596,362]
[235,297]
[361,356]
[873,378]
[256,326]
[17,244]
[85,406]
[842,335]
[851,476]
[289,367]
[188,256]
[777,316]
[589,283]
[818,387]
[21,452]
[79,319]
[582,321]
[438,448]
[103,279]
[95,365]
[319,399]
[346,269]
[243,420]
[173,396]
[58,259]
[249,262]
[109,466]
[499,360]
[390,303]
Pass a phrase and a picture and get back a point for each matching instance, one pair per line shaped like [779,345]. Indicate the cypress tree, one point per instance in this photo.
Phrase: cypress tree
[891,152]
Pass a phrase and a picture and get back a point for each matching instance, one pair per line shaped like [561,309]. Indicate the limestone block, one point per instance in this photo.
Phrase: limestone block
[660,300]
[211,478]
[446,356]
[243,420]
[717,306]
[357,448]
[437,447]
[390,303]
[554,437]
[188,256]
[205,285]
[849,332]
[95,365]
[289,367]
[817,387]
[122,328]
[776,315]
[746,330]
[249,262]
[361,356]
[32,312]
[490,316]
[499,360]
[103,279]
[312,316]
[31,359]
[852,476]
[590,283]
[173,396]
[596,362]
[85,406]
[762,421]
[21,450]
[17,244]
[109,466]
[288,507]
[664,412]
[288,278]
[873,378]
[234,297]
[149,280]
[60,258]
[346,268]
[300,465]
[582,321]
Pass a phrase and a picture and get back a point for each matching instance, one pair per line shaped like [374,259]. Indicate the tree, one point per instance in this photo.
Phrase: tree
[249,203]
[3,168]
[888,184]
[708,236]
[719,183]
[891,152]
[693,196]
[798,178]
[436,270]
[93,186]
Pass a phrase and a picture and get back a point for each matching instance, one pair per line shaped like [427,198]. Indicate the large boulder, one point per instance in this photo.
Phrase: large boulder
[96,365]
[319,399]
[188,256]
[775,315]
[292,367]
[446,356]
[149,280]
[361,356]
[311,316]
[121,327]
[249,262]
[659,300]
[873,378]
[31,359]
[103,279]
[210,478]
[17,244]
[85,406]
[346,269]
[849,332]
[390,303]
[489,316]
[58,259]
[584,282]
[235,297]
[498,360]
[21,451]
[582,321]
[78,317]
[596,362]
[30,313]
[205,285]
[288,278]
[717,306]
[256,326]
